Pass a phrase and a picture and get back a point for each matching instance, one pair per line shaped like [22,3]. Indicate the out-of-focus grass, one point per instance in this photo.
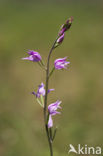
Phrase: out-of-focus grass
[31,25]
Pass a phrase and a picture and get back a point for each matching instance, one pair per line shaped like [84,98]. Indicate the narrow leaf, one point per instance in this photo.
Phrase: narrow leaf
[42,100]
[51,71]
[55,131]
[39,102]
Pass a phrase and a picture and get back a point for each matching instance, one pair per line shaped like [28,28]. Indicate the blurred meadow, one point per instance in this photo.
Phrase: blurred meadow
[34,25]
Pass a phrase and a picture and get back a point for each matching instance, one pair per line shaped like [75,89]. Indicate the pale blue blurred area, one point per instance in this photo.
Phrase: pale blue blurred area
[34,25]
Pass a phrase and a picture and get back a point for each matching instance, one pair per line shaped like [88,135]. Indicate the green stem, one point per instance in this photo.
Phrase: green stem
[39,102]
[45,101]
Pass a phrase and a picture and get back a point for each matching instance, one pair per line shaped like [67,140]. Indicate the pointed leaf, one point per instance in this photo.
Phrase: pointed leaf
[42,100]
[39,102]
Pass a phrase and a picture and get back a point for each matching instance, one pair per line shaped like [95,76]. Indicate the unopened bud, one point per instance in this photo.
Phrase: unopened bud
[66,26]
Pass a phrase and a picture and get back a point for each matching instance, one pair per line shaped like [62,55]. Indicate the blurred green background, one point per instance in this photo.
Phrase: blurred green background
[29,24]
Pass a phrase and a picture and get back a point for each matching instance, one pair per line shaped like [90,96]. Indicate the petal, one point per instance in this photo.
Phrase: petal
[41,90]
[30,58]
[55,112]
[53,107]
[60,59]
[60,39]
[50,90]
[33,93]
[32,52]
[61,63]
[36,57]
[50,122]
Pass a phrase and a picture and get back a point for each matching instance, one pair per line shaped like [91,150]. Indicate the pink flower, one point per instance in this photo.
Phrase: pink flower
[61,63]
[33,56]
[52,109]
[41,91]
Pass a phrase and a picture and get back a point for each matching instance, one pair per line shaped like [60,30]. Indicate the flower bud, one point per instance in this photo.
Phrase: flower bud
[60,39]
[66,26]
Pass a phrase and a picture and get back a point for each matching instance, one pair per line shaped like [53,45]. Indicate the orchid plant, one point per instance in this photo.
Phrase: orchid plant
[42,93]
